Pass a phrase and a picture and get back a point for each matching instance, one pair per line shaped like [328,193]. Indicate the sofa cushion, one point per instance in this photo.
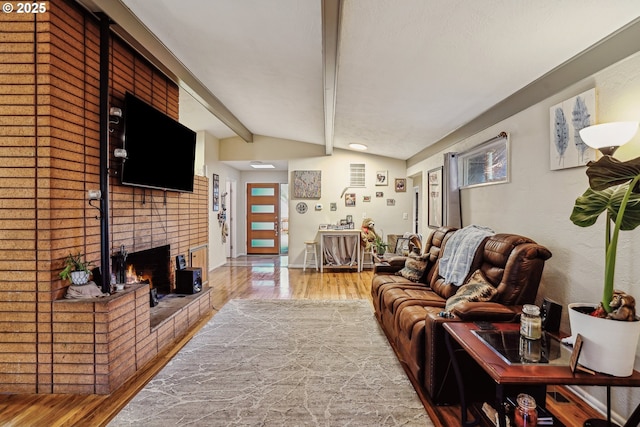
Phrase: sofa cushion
[475,289]
[414,267]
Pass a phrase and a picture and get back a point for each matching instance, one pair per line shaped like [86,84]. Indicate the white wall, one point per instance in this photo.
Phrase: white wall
[538,201]
[335,177]
[217,251]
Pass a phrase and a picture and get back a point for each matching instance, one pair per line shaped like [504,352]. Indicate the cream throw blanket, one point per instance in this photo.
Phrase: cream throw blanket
[459,252]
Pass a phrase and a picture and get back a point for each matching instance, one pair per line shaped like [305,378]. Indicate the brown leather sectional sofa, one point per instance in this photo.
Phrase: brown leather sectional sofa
[410,313]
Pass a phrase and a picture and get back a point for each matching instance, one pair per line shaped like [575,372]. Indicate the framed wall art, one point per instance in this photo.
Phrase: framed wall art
[566,119]
[434,191]
[216,193]
[307,184]
[350,199]
[401,185]
[382,178]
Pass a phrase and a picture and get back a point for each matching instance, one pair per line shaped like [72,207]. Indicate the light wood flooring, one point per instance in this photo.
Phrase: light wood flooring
[265,277]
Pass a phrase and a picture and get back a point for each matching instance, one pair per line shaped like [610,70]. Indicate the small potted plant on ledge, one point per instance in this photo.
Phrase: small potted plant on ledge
[76,270]
[611,329]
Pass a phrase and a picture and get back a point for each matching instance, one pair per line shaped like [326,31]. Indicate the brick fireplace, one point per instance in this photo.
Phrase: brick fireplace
[150,266]
[49,159]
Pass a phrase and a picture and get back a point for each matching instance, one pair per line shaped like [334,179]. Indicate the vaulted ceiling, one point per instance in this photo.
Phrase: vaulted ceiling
[395,75]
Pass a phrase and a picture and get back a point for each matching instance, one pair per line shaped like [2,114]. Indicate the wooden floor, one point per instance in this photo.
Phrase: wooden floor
[242,278]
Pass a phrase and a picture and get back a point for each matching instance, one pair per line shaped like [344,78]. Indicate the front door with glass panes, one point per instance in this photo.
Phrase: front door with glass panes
[263,218]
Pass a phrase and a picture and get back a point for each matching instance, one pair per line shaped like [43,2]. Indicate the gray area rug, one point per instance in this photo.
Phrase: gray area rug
[282,363]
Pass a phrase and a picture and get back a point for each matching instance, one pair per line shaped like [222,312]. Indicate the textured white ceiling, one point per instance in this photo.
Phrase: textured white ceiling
[409,72]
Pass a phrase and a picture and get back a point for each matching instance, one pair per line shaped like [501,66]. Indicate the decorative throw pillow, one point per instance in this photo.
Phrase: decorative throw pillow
[476,289]
[414,267]
[477,277]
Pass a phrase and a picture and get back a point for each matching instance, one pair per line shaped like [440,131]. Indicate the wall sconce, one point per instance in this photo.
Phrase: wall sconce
[115,114]
[94,195]
[115,111]
[608,137]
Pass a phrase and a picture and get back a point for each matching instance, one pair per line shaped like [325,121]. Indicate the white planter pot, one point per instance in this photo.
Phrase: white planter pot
[79,277]
[609,345]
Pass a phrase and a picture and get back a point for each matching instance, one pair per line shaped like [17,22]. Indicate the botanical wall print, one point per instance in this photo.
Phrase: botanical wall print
[434,191]
[307,184]
[382,178]
[567,150]
[401,185]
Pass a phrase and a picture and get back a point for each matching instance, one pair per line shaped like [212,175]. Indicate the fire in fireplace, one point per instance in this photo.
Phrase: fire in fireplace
[133,276]
[150,266]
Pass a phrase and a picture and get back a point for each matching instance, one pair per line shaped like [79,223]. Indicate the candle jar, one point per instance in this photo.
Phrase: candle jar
[525,414]
[530,322]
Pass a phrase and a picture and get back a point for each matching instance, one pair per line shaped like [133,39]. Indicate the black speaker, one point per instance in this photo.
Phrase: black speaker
[153,297]
[189,280]
[181,263]
[551,313]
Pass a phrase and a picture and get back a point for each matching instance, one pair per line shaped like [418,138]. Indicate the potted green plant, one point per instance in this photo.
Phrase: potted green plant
[614,188]
[76,269]
[380,245]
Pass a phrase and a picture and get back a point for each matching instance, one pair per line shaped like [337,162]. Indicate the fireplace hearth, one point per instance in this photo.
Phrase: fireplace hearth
[150,266]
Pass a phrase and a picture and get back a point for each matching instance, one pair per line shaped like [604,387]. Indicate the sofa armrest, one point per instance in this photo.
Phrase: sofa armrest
[390,265]
[396,261]
[384,268]
[468,311]
[439,386]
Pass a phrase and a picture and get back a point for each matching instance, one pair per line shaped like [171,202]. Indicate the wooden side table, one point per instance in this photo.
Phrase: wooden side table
[503,372]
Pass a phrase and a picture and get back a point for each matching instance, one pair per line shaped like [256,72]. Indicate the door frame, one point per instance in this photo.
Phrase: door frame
[276,219]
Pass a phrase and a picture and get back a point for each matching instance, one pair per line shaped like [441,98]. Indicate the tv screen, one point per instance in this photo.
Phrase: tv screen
[160,151]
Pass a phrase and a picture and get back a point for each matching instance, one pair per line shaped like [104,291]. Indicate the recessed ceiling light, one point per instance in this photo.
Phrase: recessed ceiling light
[360,147]
[260,165]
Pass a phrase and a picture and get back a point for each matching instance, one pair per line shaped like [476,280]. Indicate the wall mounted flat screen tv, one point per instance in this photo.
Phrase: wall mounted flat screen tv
[160,151]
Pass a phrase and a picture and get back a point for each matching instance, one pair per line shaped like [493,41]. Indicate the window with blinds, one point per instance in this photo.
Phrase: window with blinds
[486,164]
[356,175]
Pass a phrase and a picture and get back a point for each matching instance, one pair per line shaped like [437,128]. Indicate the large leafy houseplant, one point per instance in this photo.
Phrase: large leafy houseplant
[614,188]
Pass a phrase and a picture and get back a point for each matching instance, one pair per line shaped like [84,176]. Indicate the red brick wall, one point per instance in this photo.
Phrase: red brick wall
[49,159]
[21,211]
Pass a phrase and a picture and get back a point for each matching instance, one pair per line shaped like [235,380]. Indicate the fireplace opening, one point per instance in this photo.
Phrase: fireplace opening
[150,266]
